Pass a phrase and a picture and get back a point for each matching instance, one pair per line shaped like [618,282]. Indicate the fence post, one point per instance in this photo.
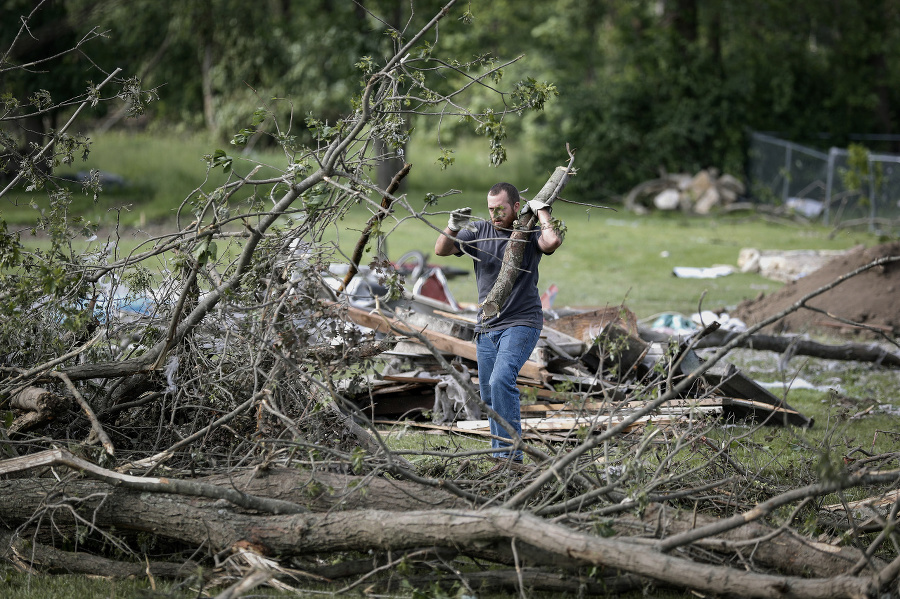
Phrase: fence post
[829,183]
[872,212]
[787,172]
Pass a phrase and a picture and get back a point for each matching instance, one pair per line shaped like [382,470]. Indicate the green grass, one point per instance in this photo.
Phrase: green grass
[16,585]
[159,173]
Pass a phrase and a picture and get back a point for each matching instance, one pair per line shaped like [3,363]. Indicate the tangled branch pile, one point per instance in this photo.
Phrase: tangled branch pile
[207,438]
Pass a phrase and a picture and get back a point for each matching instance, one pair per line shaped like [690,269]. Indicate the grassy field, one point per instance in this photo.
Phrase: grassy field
[608,258]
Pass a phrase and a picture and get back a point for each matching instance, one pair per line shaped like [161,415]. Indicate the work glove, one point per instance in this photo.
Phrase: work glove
[533,206]
[459,219]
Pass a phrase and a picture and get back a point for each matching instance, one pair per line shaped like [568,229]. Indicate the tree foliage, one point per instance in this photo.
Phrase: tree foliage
[644,85]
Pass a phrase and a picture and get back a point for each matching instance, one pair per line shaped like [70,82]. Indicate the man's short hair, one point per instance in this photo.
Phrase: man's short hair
[511,192]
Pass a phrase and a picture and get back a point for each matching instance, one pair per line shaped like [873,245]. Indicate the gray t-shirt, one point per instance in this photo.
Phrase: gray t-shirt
[486,245]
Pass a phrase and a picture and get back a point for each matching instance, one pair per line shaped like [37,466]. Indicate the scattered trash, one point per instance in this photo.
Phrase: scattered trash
[797,384]
[672,323]
[726,322]
[711,272]
[785,266]
[889,409]
[807,207]
[549,296]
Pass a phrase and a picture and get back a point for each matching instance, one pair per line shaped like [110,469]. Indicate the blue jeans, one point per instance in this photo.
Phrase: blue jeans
[501,354]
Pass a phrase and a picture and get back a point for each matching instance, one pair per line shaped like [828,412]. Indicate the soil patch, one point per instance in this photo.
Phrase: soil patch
[871,298]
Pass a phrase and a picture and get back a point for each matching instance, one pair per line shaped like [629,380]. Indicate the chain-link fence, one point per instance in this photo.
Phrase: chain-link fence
[838,187]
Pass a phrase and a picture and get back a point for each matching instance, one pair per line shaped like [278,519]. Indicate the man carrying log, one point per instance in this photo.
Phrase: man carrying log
[506,336]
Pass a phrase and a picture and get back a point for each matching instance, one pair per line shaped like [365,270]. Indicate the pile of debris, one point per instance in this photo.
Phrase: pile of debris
[863,303]
[697,194]
[590,370]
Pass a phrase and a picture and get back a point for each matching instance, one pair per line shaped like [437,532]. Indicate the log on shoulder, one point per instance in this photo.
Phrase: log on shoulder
[515,249]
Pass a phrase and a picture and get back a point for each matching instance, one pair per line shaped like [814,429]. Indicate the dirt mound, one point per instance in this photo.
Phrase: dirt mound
[871,298]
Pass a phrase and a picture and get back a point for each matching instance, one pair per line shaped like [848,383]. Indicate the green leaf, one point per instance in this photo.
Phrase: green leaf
[220,158]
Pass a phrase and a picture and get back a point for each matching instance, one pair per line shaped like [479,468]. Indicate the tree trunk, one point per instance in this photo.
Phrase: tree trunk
[209,108]
[218,529]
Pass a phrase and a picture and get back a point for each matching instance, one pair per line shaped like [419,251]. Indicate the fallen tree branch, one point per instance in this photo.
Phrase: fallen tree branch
[61,457]
[10,384]
[30,556]
[802,347]
[533,579]
[376,219]
[775,548]
[96,427]
[160,457]
[40,406]
[767,507]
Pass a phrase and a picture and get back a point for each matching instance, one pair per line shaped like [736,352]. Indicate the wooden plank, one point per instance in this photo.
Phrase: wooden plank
[589,323]
[681,404]
[879,501]
[456,316]
[410,379]
[479,433]
[444,343]
[729,381]
[559,340]
[566,424]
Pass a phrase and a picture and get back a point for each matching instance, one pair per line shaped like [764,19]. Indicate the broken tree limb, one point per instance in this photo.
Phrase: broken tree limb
[30,556]
[776,548]
[766,507]
[40,407]
[246,584]
[375,220]
[515,249]
[9,384]
[61,457]
[96,427]
[160,457]
[534,579]
[796,346]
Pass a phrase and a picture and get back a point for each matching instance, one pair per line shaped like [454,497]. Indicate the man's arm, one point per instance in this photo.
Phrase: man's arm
[550,238]
[446,242]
